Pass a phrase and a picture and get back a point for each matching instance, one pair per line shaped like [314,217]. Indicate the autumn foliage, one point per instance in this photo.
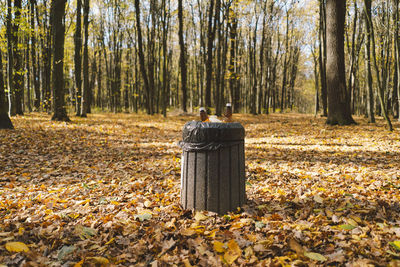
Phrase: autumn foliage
[104,191]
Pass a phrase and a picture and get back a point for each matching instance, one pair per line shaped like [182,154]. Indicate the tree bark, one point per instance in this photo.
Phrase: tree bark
[86,86]
[210,44]
[322,57]
[58,29]
[36,81]
[18,76]
[232,62]
[141,57]
[78,56]
[10,50]
[368,72]
[380,87]
[397,48]
[5,122]
[182,59]
[339,111]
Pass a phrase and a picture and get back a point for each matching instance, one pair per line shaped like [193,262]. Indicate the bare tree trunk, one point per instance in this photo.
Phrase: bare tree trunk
[78,56]
[368,72]
[338,98]
[211,36]
[232,63]
[141,58]
[322,56]
[285,63]
[58,30]
[10,69]
[28,75]
[182,59]
[380,88]
[85,93]
[397,52]
[36,81]
[5,122]
[18,76]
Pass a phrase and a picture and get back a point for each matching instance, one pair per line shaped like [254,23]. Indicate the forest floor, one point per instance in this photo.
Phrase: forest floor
[104,190]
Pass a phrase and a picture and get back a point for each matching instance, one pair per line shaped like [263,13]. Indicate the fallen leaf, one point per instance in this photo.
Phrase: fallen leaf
[315,256]
[16,247]
[294,245]
[318,199]
[219,246]
[143,217]
[186,262]
[347,226]
[99,260]
[200,216]
[65,251]
[395,244]
[233,252]
[188,232]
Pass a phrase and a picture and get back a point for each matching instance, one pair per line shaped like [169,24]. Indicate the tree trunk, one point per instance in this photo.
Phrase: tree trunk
[58,29]
[78,56]
[18,76]
[285,63]
[338,98]
[86,90]
[28,75]
[397,50]
[322,56]
[211,36]
[5,122]
[36,81]
[182,59]
[380,87]
[141,58]
[368,72]
[10,51]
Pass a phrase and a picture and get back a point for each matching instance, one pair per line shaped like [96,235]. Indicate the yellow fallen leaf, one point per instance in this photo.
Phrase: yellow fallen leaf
[110,241]
[99,260]
[315,256]
[395,244]
[186,262]
[79,264]
[21,230]
[188,232]
[233,252]
[294,245]
[16,247]
[219,246]
[200,216]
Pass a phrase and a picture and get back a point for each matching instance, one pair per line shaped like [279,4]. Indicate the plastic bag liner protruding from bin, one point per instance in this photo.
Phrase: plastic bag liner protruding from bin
[213,174]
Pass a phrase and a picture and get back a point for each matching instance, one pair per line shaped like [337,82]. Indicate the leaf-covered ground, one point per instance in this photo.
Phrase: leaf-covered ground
[105,191]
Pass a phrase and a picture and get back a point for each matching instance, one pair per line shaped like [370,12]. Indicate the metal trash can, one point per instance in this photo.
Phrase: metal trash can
[212,174]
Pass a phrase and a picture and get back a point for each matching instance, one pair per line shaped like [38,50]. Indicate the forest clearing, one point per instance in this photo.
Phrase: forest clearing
[105,190]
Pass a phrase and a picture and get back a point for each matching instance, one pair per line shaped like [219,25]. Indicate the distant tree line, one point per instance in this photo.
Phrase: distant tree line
[69,57]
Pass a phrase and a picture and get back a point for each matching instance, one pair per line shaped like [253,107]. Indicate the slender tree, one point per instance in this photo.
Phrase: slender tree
[322,56]
[182,59]
[368,72]
[86,86]
[5,122]
[210,45]
[339,111]
[18,75]
[10,68]
[380,86]
[78,56]
[36,81]
[141,58]
[58,30]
